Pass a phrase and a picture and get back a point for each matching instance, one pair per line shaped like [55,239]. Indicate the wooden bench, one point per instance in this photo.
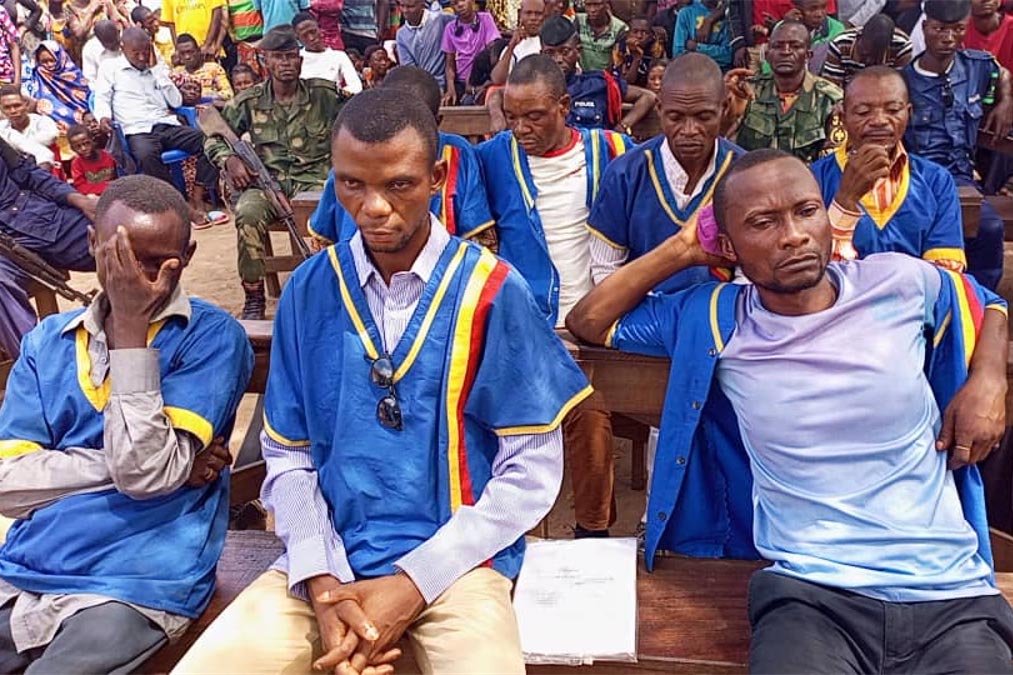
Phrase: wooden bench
[691,613]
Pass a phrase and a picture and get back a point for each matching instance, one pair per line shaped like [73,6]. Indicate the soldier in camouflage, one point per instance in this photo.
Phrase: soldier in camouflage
[289,122]
[793,110]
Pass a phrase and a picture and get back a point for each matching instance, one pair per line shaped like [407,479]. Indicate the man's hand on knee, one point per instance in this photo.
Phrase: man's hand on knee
[391,604]
[344,630]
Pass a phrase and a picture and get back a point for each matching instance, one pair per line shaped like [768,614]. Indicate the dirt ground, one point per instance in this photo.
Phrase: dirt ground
[212,276]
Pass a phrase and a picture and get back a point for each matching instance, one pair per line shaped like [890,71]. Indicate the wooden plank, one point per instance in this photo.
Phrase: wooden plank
[691,611]
[465,120]
[1004,207]
[970,209]
[303,206]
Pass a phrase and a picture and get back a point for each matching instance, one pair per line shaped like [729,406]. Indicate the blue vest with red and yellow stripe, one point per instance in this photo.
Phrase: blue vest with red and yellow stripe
[160,552]
[461,203]
[474,340]
[512,195]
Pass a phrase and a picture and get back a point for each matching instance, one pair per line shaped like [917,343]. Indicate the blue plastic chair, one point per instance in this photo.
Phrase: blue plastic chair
[173,159]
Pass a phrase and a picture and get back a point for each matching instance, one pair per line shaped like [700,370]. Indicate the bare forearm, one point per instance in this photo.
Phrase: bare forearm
[502,67]
[991,351]
[607,302]
[642,100]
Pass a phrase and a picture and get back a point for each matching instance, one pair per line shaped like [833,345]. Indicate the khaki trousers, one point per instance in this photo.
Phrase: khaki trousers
[588,447]
[470,629]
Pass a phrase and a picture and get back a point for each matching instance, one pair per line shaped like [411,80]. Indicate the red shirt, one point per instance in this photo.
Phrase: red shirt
[778,8]
[998,43]
[90,177]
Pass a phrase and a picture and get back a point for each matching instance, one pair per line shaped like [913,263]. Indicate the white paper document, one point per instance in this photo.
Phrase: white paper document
[576,601]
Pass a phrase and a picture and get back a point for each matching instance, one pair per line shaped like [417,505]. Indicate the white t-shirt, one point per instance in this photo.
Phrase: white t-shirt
[526,47]
[561,182]
[92,56]
[332,65]
[26,145]
[40,129]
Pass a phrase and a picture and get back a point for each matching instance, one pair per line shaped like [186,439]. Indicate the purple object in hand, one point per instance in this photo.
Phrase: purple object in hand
[707,230]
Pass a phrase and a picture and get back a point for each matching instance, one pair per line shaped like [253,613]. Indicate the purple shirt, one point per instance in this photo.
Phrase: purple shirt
[467,40]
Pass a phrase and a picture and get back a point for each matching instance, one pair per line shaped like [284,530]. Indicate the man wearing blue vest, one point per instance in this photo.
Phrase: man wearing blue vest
[542,177]
[850,469]
[657,189]
[411,432]
[110,438]
[951,92]
[461,204]
[879,196]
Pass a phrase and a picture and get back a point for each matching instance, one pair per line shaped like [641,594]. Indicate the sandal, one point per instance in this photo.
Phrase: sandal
[210,219]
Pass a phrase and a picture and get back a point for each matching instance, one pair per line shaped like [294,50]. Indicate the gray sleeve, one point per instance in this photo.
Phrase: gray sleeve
[37,479]
[146,457]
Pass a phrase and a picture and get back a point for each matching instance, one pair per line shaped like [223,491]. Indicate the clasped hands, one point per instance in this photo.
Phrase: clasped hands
[360,622]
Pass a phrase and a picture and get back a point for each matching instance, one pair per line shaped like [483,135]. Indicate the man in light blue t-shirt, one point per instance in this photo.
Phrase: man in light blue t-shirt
[854,391]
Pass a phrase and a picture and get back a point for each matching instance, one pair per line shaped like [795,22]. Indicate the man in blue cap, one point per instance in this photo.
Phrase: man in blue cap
[951,90]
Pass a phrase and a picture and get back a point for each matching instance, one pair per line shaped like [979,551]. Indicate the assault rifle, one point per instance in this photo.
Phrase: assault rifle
[213,124]
[41,271]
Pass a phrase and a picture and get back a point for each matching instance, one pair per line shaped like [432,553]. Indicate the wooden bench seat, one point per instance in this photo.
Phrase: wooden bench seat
[691,614]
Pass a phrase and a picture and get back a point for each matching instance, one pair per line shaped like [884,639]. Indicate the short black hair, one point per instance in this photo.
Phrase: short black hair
[877,34]
[377,115]
[878,72]
[76,130]
[370,50]
[186,37]
[241,68]
[301,17]
[693,68]
[417,83]
[9,90]
[139,13]
[743,163]
[147,195]
[539,68]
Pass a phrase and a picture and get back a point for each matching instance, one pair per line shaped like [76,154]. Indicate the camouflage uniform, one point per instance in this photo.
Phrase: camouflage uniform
[293,142]
[811,127]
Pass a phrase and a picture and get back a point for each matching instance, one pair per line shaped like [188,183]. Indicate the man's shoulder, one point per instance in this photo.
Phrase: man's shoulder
[637,154]
[249,96]
[458,142]
[926,167]
[499,143]
[978,60]
[827,89]
[209,319]
[823,165]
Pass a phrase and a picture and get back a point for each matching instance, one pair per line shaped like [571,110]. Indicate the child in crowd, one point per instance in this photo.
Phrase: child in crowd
[244,77]
[654,76]
[93,168]
[378,64]
[99,137]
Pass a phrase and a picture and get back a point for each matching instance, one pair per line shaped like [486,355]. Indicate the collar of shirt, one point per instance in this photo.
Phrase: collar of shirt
[93,318]
[423,266]
[928,73]
[426,16]
[678,178]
